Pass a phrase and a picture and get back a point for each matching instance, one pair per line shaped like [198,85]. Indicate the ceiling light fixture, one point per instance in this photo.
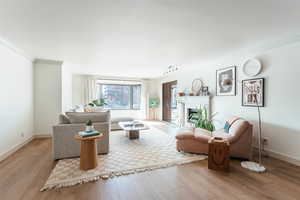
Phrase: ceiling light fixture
[170,69]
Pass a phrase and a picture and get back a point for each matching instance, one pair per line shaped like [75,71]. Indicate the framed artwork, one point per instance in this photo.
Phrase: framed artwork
[205,91]
[226,81]
[253,92]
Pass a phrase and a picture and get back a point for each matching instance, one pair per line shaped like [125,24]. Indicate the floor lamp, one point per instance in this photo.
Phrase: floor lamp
[251,165]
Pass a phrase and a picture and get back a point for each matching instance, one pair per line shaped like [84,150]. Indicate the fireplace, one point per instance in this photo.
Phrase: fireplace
[188,105]
[190,112]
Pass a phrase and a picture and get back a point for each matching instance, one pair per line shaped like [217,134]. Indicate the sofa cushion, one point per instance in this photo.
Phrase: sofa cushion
[97,109]
[202,135]
[77,118]
[63,119]
[222,134]
[201,132]
[185,133]
[121,119]
[198,134]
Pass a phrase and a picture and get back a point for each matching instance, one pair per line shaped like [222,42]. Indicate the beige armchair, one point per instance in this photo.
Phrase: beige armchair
[64,144]
[195,140]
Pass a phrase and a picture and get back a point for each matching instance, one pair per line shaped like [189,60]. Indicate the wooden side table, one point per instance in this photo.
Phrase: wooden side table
[218,154]
[133,134]
[88,151]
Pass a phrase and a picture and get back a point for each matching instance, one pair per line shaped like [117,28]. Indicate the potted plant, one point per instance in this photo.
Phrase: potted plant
[96,105]
[99,102]
[89,126]
[202,120]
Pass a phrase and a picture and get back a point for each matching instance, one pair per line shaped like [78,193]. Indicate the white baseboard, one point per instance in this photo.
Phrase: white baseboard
[15,148]
[284,157]
[42,136]
[19,146]
[280,156]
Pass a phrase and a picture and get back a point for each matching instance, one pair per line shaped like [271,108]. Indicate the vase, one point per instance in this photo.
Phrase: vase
[89,128]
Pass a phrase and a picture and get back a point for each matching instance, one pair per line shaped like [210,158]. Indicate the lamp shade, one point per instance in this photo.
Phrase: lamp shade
[153,102]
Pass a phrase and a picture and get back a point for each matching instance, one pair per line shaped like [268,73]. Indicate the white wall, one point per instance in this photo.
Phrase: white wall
[48,95]
[16,102]
[281,113]
[66,86]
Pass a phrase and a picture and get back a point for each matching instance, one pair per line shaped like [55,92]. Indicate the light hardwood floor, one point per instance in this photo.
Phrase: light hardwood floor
[25,172]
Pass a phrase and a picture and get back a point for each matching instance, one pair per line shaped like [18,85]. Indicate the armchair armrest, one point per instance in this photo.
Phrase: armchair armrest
[198,134]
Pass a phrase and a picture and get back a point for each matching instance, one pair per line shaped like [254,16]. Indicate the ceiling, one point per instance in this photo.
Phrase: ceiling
[142,37]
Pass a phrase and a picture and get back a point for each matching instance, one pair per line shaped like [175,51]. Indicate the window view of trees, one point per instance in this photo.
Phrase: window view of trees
[121,96]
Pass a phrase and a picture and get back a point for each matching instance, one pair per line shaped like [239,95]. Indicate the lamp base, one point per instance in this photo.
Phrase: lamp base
[253,166]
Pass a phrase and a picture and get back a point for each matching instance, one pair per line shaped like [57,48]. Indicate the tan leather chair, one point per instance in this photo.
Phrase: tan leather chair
[195,140]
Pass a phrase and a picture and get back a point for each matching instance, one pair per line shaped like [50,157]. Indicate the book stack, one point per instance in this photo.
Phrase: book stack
[85,134]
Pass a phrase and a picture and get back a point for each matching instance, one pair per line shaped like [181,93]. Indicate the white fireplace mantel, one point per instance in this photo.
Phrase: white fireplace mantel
[191,102]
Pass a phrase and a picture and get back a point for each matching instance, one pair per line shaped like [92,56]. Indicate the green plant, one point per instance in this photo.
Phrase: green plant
[202,120]
[153,102]
[89,123]
[99,102]
[91,104]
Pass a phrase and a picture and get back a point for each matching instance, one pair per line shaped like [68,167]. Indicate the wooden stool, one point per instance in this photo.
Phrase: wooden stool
[218,154]
[88,152]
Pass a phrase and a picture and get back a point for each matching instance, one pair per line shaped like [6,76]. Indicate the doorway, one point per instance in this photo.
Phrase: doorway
[169,92]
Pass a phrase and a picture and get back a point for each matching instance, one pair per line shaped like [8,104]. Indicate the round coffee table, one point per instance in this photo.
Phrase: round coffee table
[88,151]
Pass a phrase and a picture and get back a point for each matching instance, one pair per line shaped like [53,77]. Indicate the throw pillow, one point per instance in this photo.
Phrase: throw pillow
[78,118]
[226,127]
[229,123]
[63,119]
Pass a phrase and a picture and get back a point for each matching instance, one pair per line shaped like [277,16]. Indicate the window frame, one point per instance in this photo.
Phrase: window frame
[130,98]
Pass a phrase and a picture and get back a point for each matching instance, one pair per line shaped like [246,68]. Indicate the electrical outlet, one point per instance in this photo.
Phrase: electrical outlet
[265,141]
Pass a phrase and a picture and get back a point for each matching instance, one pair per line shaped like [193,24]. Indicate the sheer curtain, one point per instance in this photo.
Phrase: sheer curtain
[145,100]
[91,89]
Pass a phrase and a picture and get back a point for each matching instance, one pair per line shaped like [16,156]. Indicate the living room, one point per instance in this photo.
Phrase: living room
[149,100]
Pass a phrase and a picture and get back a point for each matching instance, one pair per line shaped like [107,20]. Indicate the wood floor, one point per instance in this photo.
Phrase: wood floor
[25,172]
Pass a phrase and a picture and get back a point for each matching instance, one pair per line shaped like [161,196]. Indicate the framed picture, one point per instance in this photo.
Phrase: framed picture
[253,92]
[226,81]
[205,91]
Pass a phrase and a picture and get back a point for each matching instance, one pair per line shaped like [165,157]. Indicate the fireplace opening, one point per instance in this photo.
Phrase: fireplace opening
[190,112]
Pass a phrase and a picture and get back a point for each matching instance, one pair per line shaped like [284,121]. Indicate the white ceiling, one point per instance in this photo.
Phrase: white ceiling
[142,37]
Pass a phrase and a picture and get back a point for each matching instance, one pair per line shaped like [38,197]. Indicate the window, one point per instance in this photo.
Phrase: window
[121,97]
[136,96]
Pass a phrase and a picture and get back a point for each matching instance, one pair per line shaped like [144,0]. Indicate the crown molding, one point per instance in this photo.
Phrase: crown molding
[14,49]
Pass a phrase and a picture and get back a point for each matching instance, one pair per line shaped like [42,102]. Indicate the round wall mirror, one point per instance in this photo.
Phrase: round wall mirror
[252,67]
[196,86]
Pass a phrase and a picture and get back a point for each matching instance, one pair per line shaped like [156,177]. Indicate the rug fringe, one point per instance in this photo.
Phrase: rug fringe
[116,174]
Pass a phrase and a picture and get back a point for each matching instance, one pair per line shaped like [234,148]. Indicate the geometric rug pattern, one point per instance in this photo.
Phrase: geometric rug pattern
[153,150]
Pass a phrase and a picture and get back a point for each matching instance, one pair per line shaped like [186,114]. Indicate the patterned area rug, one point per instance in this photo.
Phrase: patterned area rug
[153,150]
